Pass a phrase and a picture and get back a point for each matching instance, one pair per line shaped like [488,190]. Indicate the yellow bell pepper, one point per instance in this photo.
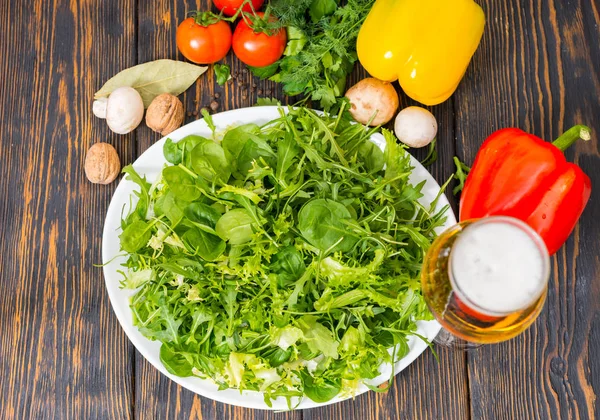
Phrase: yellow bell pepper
[425,44]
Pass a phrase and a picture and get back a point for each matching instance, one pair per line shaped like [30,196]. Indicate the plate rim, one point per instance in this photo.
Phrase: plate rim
[145,346]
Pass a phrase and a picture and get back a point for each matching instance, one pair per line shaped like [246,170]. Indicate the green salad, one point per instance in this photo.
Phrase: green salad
[283,259]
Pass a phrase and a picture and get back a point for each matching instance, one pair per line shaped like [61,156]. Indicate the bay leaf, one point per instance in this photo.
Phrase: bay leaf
[153,78]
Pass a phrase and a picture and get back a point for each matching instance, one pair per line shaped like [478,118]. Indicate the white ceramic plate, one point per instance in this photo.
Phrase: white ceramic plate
[150,164]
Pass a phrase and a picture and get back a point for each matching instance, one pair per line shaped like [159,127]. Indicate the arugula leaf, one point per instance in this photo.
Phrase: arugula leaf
[432,154]
[286,153]
[462,170]
[141,208]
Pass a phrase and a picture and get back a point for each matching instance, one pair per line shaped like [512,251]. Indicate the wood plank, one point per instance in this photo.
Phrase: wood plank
[62,353]
[538,69]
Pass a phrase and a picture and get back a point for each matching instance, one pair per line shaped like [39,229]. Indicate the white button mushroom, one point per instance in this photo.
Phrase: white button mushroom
[415,126]
[124,109]
[373,101]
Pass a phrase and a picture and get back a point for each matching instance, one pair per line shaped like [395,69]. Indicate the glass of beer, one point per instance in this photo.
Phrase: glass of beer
[485,280]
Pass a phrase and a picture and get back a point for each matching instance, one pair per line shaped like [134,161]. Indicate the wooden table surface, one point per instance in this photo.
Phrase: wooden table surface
[63,354]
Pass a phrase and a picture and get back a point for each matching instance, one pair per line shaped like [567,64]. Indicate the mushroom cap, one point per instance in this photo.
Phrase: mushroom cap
[124,110]
[415,126]
[373,99]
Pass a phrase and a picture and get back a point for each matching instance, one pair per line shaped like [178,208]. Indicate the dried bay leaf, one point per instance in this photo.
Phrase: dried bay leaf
[153,78]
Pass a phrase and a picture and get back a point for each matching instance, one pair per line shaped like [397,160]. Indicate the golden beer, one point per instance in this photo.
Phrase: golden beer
[497,295]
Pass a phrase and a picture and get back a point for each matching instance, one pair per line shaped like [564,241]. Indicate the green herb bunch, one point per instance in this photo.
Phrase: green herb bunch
[283,259]
[321,49]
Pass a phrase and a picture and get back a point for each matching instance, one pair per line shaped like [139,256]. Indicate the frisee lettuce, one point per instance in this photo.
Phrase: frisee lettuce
[283,259]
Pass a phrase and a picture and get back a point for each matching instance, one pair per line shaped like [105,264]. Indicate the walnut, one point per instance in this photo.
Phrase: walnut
[102,164]
[165,114]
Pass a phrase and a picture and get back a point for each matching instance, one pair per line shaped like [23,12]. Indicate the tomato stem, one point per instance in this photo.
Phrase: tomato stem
[240,11]
[206,18]
[571,136]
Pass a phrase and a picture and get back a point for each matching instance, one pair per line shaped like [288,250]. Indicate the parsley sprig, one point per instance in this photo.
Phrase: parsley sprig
[321,49]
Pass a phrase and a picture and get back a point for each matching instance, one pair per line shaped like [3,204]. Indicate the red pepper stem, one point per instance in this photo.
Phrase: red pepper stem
[572,135]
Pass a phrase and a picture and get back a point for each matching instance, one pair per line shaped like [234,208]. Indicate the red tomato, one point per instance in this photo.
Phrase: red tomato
[229,7]
[203,44]
[257,49]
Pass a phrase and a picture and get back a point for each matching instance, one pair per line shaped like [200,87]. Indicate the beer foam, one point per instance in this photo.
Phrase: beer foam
[499,264]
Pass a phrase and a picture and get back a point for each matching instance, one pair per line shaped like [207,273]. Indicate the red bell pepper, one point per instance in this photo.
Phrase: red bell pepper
[520,175]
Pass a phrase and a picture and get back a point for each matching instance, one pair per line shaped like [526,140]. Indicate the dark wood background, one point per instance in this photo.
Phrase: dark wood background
[63,354]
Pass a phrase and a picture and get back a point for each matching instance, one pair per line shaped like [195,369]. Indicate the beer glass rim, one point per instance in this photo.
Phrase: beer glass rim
[536,239]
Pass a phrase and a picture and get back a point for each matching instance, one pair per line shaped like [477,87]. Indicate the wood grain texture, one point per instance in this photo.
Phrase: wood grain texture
[538,69]
[63,354]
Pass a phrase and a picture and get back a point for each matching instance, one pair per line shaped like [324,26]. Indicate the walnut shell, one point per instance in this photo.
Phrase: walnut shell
[165,114]
[102,165]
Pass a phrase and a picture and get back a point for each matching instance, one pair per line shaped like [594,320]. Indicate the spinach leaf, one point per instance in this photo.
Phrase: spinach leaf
[254,149]
[235,139]
[202,213]
[266,71]
[208,246]
[135,236]
[235,226]
[321,222]
[288,264]
[181,183]
[243,146]
[175,152]
[319,389]
[171,207]
[279,356]
[172,152]
[209,161]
